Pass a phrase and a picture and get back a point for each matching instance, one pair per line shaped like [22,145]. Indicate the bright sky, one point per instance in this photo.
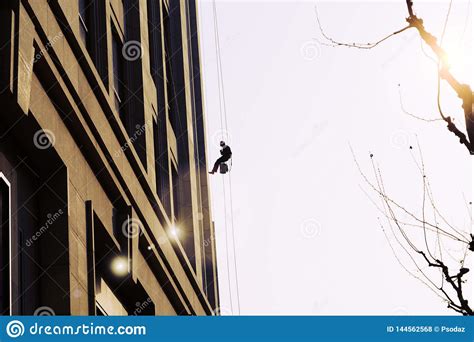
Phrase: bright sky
[293,109]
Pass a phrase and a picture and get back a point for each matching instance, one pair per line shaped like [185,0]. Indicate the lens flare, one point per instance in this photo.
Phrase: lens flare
[120,266]
[174,230]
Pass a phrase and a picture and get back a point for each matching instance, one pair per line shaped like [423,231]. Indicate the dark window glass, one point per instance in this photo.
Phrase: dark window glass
[161,163]
[176,193]
[85,13]
[92,30]
[118,74]
[170,86]
[154,40]
[159,127]
[152,32]
[4,247]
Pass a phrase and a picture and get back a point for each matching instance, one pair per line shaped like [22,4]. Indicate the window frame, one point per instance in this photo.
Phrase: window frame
[83,23]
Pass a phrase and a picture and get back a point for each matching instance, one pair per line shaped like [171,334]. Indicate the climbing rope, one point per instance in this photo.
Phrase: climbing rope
[223,121]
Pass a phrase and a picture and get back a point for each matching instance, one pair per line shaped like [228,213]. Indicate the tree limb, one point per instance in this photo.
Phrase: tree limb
[463,91]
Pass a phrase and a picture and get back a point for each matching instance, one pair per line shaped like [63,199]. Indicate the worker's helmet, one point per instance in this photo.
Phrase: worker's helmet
[222,143]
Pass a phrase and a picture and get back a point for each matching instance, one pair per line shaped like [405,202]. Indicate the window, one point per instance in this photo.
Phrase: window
[161,162]
[154,33]
[159,125]
[118,74]
[156,51]
[127,73]
[176,193]
[5,245]
[92,30]
[170,85]
[85,27]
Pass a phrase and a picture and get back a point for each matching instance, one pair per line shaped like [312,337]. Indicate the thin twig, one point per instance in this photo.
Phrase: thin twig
[334,43]
[411,114]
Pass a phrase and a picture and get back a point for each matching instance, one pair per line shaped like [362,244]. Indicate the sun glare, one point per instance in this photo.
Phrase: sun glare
[459,61]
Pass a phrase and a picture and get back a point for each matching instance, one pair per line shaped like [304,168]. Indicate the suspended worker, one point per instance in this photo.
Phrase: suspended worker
[226,154]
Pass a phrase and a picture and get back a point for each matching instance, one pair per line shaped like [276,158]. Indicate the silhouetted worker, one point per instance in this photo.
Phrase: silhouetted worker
[226,154]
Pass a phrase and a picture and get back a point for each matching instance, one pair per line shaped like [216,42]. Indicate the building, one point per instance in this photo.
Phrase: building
[104,201]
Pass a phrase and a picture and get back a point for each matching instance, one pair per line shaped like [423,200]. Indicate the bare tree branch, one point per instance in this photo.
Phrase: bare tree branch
[450,287]
[402,106]
[366,46]
[463,91]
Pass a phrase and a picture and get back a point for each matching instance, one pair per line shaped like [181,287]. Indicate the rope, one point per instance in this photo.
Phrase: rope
[227,250]
[233,243]
[446,23]
[223,119]
[223,183]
